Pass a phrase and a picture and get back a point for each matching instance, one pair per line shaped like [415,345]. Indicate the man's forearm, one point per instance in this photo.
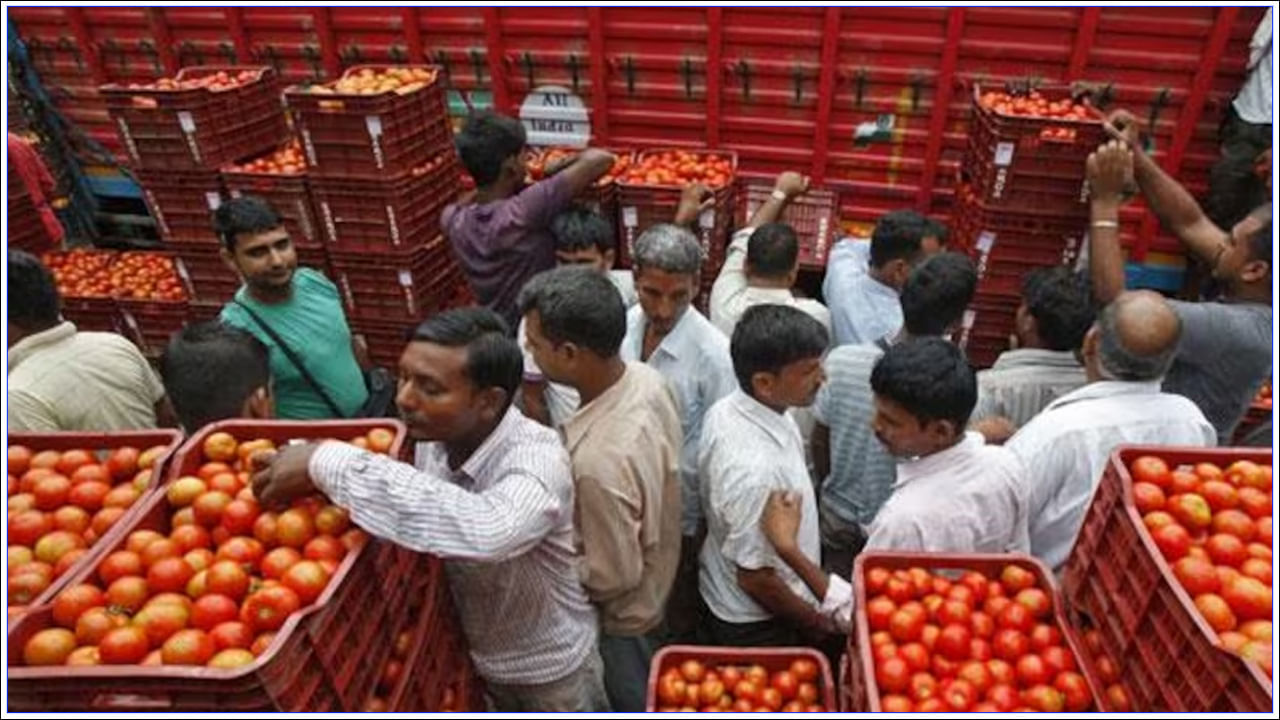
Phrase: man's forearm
[1106,259]
[770,592]
[814,577]
[1174,206]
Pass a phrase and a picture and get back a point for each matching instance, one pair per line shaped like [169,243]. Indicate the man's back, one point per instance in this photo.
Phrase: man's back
[63,380]
[312,323]
[503,243]
[1065,448]
[1024,382]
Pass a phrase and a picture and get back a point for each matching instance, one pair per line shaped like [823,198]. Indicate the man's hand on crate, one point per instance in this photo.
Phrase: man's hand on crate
[1110,172]
[282,476]
[695,198]
[792,184]
[1123,126]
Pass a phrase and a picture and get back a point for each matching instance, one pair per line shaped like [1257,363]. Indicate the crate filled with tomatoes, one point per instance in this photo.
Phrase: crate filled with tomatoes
[280,178]
[962,633]
[85,287]
[602,196]
[376,121]
[154,297]
[649,193]
[815,217]
[200,119]
[694,678]
[66,492]
[1173,570]
[206,601]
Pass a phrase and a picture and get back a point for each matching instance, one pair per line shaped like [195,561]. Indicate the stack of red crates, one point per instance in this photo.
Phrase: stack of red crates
[814,216]
[177,140]
[24,230]
[642,205]
[1021,203]
[382,169]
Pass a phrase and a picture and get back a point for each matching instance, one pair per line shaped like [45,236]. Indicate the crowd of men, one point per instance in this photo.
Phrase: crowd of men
[606,470]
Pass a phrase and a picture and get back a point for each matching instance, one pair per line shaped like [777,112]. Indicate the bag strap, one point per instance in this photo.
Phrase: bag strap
[293,358]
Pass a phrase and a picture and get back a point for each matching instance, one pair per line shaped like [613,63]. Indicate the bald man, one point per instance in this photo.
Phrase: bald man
[1064,449]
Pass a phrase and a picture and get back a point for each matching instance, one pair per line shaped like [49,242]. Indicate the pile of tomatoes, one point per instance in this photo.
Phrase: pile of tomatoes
[392,672]
[974,644]
[550,157]
[60,503]
[220,80]
[285,161]
[215,589]
[693,686]
[679,167]
[1214,529]
[130,275]
[368,81]
[1035,105]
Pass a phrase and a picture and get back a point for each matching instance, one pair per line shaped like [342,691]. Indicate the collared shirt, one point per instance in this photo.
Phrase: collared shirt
[1253,103]
[694,358]
[63,380]
[502,244]
[1022,382]
[504,524]
[625,449]
[1065,448]
[969,498]
[863,309]
[862,470]
[731,295]
[562,400]
[748,451]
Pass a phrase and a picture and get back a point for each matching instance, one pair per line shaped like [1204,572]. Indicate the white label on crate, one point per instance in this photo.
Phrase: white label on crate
[236,193]
[707,219]
[406,278]
[328,221]
[986,240]
[630,217]
[128,139]
[187,121]
[304,220]
[309,147]
[969,317]
[1004,154]
[553,115]
[213,199]
[155,210]
[391,222]
[374,124]
[346,292]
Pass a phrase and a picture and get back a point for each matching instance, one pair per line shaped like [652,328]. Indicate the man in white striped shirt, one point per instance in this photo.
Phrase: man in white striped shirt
[492,494]
[1055,313]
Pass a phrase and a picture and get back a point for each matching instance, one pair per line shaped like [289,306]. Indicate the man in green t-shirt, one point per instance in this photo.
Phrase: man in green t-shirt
[297,308]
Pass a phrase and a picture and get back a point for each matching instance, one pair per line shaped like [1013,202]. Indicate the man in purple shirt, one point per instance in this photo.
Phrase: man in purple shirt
[500,232]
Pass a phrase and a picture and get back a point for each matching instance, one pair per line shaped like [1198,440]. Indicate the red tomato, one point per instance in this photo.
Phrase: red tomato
[959,695]
[1010,644]
[892,676]
[188,647]
[977,675]
[245,551]
[268,608]
[875,579]
[1004,696]
[231,634]
[895,704]
[1017,616]
[294,528]
[308,579]
[1118,699]
[1058,659]
[916,655]
[227,577]
[771,698]
[324,547]
[805,670]
[748,691]
[1248,598]
[1173,541]
[169,575]
[51,646]
[129,593]
[953,641]
[922,686]
[239,516]
[1044,698]
[1032,670]
[1075,691]
[1150,469]
[71,603]
[211,610]
[906,626]
[161,620]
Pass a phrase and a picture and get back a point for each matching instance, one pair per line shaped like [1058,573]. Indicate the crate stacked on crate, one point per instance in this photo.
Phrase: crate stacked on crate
[24,229]
[1172,570]
[936,632]
[66,492]
[315,640]
[814,216]
[1021,199]
[178,133]
[649,192]
[692,678]
[602,196]
[379,152]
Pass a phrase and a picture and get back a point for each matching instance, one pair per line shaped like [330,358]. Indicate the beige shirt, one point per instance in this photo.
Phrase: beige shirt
[625,449]
[63,380]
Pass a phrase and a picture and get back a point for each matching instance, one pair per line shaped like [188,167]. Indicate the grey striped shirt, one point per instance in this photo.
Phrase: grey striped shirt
[1024,382]
[504,523]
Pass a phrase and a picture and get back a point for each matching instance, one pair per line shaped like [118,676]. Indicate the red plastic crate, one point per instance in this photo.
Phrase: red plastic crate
[385,340]
[379,215]
[1169,658]
[288,194]
[150,323]
[199,128]
[602,196]
[183,204]
[403,286]
[640,208]
[379,136]
[815,217]
[771,659]
[435,654]
[864,695]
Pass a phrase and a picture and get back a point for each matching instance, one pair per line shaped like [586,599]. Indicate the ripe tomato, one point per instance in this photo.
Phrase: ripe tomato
[1016,578]
[771,699]
[875,579]
[1173,541]
[1044,698]
[953,642]
[916,655]
[1016,616]
[1058,659]
[50,646]
[879,610]
[268,608]
[1075,691]
[105,518]
[227,577]
[1045,635]
[243,550]
[332,520]
[1181,481]
[278,561]
[123,463]
[1248,598]
[169,575]
[126,645]
[906,626]
[785,683]
[805,671]
[211,610]
[1235,522]
[1208,471]
[1219,495]
[308,579]
[160,620]
[94,623]
[261,643]
[231,634]
[324,547]
[892,676]
[959,695]
[977,675]
[1255,502]
[71,460]
[1190,510]
[51,492]
[129,593]
[1010,644]
[121,496]
[1032,670]
[748,691]
[1150,469]
[188,647]
[294,528]
[159,550]
[89,495]
[922,686]
[1226,550]
[955,611]
[1257,569]
[1004,696]
[1035,600]
[209,506]
[71,603]
[239,516]
[899,591]
[19,459]
[28,526]
[895,704]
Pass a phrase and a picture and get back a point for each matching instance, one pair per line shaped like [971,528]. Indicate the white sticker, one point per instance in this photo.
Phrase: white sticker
[630,217]
[1004,154]
[707,219]
[391,223]
[187,121]
[213,199]
[374,124]
[235,194]
[406,278]
[985,240]
[969,317]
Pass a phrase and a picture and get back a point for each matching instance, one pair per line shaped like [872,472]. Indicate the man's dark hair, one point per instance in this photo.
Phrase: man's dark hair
[33,295]
[936,294]
[493,358]
[210,369]
[936,229]
[577,305]
[581,228]
[770,337]
[245,214]
[486,141]
[930,378]
[897,235]
[772,250]
[1062,305]
[1260,241]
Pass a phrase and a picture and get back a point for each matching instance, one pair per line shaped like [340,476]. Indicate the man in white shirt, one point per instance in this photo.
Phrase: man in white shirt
[954,493]
[492,493]
[762,263]
[672,337]
[1244,135]
[582,237]
[1055,313]
[624,443]
[863,280]
[750,448]
[1064,449]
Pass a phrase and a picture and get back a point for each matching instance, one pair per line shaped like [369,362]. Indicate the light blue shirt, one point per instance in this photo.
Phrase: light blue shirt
[694,358]
[863,309]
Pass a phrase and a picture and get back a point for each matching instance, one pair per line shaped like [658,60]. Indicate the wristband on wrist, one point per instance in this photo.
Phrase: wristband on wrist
[778,195]
[1112,224]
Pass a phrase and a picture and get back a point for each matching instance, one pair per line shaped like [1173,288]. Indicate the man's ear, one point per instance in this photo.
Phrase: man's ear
[1255,270]
[763,384]
[942,431]
[229,259]
[493,403]
[1089,349]
[259,405]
